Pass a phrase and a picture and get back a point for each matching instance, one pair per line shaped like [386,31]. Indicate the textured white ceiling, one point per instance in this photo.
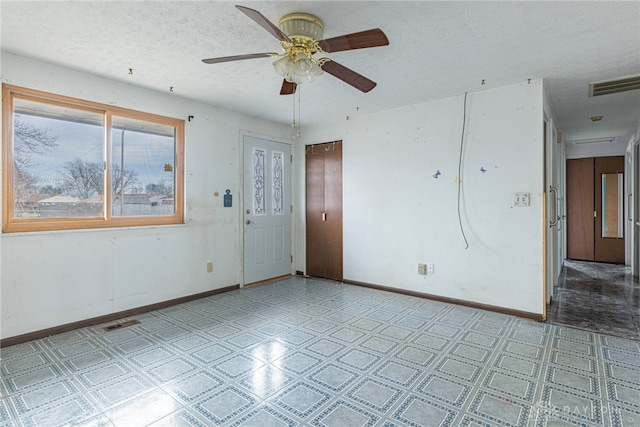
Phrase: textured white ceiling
[437,50]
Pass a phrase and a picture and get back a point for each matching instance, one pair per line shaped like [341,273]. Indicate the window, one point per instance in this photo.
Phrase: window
[72,164]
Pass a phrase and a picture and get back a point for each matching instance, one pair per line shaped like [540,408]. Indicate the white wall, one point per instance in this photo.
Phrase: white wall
[54,278]
[397,215]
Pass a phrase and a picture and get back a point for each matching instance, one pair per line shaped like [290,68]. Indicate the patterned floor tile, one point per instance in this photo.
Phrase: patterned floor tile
[190,342]
[622,373]
[569,345]
[571,406]
[470,352]
[325,347]
[180,418]
[358,359]
[432,341]
[499,409]
[64,412]
[120,390]
[379,344]
[20,350]
[510,386]
[415,355]
[375,394]
[301,399]
[480,339]
[574,361]
[265,416]
[151,356]
[211,353]
[342,413]
[171,369]
[335,355]
[220,407]
[297,337]
[459,369]
[34,378]
[397,373]
[621,416]
[271,350]
[415,410]
[333,377]
[237,365]
[446,390]
[523,350]
[580,382]
[348,335]
[621,356]
[265,381]
[518,365]
[244,340]
[30,361]
[134,345]
[101,374]
[143,410]
[627,394]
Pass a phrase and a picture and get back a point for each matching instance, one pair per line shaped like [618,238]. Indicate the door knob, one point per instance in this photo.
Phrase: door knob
[248,222]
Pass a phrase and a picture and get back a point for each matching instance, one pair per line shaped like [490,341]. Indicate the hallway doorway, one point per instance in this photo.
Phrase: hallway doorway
[600,297]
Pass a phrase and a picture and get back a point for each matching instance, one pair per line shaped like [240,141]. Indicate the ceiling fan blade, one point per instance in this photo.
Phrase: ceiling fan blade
[360,40]
[264,23]
[239,57]
[288,88]
[348,76]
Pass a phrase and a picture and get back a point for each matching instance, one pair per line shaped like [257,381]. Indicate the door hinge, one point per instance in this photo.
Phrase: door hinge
[291,158]
[291,206]
[292,258]
[595,214]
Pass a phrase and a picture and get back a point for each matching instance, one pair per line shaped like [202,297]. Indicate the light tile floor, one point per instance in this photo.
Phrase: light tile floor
[313,352]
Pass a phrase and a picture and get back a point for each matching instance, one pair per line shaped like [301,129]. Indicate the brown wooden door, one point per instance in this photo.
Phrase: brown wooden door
[609,207]
[580,203]
[585,237]
[324,210]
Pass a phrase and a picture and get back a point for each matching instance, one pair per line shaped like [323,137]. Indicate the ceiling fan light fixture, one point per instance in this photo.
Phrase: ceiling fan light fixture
[297,69]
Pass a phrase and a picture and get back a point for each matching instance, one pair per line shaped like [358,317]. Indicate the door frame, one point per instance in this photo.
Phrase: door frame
[241,207]
[634,193]
[553,209]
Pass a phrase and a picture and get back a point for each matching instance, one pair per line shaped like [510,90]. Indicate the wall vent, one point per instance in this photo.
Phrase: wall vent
[614,86]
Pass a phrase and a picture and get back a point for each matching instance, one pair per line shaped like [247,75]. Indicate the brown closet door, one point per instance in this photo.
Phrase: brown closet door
[609,207]
[315,208]
[580,203]
[324,210]
[333,210]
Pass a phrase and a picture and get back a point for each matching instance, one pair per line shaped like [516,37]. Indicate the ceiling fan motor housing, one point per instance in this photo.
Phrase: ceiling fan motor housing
[301,26]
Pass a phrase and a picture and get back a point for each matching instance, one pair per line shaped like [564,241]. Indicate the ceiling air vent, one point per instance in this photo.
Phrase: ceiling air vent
[614,86]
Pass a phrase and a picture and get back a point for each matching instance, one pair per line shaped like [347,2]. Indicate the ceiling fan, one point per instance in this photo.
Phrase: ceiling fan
[300,36]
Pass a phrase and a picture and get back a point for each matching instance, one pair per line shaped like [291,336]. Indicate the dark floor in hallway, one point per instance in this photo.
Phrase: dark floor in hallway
[600,297]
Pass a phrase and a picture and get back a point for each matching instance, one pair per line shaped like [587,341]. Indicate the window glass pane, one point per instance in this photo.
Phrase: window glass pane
[276,186]
[143,168]
[258,182]
[58,155]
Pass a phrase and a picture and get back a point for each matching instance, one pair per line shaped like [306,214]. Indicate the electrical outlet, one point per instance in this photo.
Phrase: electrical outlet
[422,269]
[430,268]
[522,199]
[209,267]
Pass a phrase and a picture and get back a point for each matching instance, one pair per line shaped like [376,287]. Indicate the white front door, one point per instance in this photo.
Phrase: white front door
[267,209]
